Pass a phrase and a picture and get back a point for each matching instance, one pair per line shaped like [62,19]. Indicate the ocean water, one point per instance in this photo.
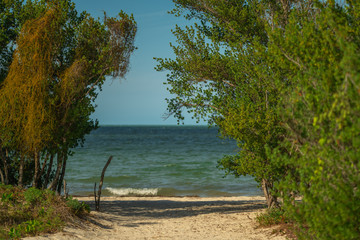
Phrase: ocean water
[155,160]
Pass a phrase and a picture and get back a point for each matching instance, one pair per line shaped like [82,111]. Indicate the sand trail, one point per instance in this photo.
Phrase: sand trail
[171,218]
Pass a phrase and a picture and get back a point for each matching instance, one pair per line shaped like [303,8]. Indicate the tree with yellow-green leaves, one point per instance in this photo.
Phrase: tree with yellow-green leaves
[61,59]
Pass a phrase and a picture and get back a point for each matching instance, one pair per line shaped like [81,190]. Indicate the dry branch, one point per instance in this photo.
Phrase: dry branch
[98,194]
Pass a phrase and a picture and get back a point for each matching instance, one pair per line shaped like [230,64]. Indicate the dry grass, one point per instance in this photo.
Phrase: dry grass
[277,217]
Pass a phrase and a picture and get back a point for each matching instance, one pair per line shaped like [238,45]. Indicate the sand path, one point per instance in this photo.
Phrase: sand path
[171,218]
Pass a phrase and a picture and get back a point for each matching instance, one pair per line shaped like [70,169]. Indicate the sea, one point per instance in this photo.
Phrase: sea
[155,161]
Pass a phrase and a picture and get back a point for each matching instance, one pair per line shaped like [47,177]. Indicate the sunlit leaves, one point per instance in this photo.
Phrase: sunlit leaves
[60,62]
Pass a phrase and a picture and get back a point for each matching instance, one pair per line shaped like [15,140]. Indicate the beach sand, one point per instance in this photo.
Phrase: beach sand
[170,218]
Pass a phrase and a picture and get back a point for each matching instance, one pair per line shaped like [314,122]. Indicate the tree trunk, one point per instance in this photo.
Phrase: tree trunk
[66,192]
[37,169]
[4,160]
[54,182]
[46,182]
[44,164]
[3,174]
[61,179]
[21,171]
[270,199]
[2,177]
[98,195]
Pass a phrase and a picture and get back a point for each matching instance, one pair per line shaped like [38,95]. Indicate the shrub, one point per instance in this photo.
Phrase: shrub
[33,211]
[273,216]
[78,208]
[33,195]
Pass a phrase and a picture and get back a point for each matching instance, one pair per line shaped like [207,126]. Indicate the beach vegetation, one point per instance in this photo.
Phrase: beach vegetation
[282,78]
[54,61]
[76,206]
[321,114]
[273,216]
[28,212]
[278,219]
[222,74]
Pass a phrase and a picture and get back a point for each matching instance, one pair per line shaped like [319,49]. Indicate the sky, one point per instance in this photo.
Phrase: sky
[139,99]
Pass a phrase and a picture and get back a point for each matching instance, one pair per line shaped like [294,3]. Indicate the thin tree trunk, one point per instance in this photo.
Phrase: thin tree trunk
[37,169]
[3,174]
[46,182]
[98,195]
[6,171]
[44,164]
[2,160]
[66,192]
[61,179]
[54,182]
[270,199]
[21,171]
[2,177]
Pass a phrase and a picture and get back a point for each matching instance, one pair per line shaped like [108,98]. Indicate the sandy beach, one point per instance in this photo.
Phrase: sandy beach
[170,218]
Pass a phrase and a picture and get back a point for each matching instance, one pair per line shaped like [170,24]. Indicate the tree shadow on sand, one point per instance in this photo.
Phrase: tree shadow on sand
[143,212]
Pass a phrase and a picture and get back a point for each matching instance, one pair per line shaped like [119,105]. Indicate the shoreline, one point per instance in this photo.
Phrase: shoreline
[79,196]
[89,199]
[163,218]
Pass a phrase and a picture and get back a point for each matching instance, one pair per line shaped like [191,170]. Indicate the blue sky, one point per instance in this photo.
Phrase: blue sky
[139,99]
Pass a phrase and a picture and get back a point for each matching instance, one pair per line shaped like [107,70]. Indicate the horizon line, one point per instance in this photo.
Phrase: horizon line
[153,125]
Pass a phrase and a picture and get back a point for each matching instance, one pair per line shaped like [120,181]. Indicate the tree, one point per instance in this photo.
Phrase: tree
[223,73]
[47,97]
[13,15]
[282,78]
[321,116]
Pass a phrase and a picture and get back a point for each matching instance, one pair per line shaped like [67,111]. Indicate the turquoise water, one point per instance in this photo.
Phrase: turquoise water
[158,160]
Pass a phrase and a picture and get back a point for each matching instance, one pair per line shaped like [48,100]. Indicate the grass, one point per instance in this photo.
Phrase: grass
[277,217]
[29,212]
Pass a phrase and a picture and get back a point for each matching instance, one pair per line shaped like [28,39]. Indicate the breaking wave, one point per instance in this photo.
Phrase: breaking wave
[133,191]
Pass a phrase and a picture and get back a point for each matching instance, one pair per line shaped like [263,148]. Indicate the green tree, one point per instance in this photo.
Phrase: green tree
[61,60]
[282,78]
[223,74]
[321,116]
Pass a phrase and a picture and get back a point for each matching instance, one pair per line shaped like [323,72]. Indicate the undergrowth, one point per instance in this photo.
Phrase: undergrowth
[29,212]
[277,217]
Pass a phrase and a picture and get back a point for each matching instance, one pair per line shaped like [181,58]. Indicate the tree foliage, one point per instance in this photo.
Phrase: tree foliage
[14,13]
[222,73]
[321,117]
[60,61]
[281,78]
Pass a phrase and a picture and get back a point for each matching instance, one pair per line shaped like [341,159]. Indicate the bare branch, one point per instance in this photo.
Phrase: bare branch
[200,105]
[98,195]
[297,63]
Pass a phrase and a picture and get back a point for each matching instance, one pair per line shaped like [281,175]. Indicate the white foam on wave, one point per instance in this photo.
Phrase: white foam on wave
[133,191]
